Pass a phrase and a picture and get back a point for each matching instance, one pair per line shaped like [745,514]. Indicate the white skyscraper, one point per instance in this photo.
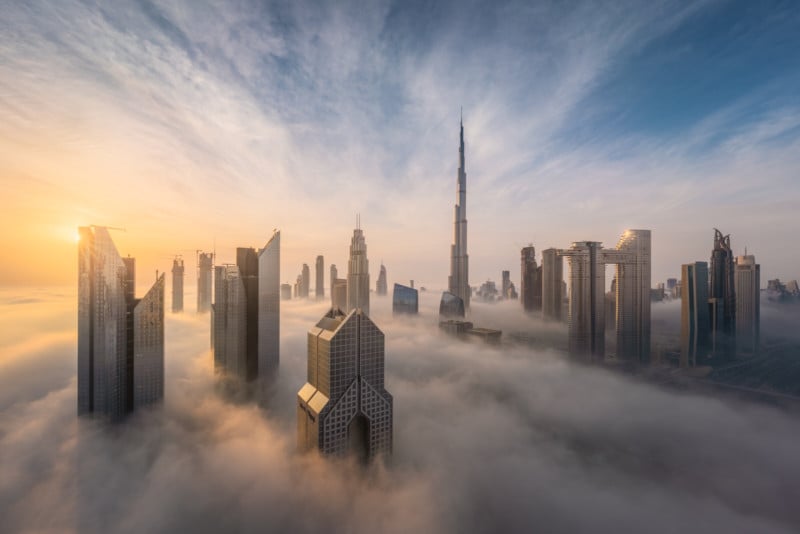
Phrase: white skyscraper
[458,281]
[358,272]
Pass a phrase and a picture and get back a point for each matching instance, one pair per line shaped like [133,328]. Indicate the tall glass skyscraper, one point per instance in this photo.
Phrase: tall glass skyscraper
[269,308]
[695,321]
[722,292]
[381,287]
[246,318]
[451,305]
[344,407]
[458,281]
[552,282]
[633,296]
[120,338]
[586,315]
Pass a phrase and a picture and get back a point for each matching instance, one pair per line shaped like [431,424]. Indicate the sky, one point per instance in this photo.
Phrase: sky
[205,125]
[486,439]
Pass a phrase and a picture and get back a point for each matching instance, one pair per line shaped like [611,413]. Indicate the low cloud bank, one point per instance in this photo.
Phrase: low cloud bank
[486,440]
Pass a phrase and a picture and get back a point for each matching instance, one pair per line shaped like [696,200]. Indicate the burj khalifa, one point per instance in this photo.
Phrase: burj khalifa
[458,281]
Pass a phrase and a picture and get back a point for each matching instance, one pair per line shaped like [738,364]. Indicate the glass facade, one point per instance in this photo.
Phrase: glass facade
[269,307]
[451,305]
[405,300]
[148,347]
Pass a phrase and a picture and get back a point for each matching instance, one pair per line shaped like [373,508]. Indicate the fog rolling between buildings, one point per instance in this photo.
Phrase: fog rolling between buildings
[485,439]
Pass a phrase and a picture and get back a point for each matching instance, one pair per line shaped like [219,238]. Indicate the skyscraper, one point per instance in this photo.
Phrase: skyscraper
[586,315]
[205,264]
[148,347]
[380,285]
[531,283]
[344,407]
[405,300]
[339,294]
[458,282]
[358,273]
[230,322]
[120,338]
[505,283]
[305,282]
[722,291]
[286,291]
[552,281]
[319,272]
[695,322]
[269,308]
[246,314]
[748,303]
[177,285]
[334,276]
[451,305]
[633,296]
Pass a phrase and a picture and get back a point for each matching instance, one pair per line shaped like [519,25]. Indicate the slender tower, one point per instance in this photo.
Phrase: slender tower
[177,284]
[358,272]
[458,282]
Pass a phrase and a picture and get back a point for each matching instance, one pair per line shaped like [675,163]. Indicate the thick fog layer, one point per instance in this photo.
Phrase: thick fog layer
[486,440]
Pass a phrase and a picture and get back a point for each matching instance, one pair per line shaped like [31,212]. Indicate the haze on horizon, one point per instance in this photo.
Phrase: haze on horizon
[195,125]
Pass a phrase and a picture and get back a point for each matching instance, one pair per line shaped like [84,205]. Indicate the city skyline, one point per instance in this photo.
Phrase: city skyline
[652,162]
[602,356]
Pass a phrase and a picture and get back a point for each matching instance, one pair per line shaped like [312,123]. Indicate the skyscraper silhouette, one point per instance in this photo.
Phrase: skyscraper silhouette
[458,281]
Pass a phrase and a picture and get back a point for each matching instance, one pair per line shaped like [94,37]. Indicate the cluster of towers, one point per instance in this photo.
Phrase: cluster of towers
[720,306]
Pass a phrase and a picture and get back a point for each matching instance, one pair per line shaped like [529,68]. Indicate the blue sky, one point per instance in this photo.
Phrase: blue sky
[190,123]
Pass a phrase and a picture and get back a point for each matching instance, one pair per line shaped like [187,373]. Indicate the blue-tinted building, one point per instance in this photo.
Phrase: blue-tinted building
[405,300]
[451,305]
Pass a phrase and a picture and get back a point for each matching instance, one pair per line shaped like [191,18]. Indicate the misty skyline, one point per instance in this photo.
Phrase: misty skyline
[197,126]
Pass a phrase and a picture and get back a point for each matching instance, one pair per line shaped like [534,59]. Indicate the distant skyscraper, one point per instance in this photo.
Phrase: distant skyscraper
[339,294]
[531,282]
[269,309]
[177,285]
[451,305]
[405,300]
[319,271]
[695,323]
[358,273]
[381,285]
[552,275]
[344,407]
[586,314]
[748,303]
[305,282]
[458,282]
[286,291]
[205,264]
[505,283]
[120,338]
[246,314]
[334,276]
[722,290]
[633,296]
